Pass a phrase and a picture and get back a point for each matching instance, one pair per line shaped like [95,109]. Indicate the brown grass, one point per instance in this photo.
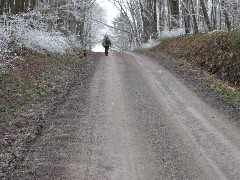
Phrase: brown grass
[217,53]
[24,80]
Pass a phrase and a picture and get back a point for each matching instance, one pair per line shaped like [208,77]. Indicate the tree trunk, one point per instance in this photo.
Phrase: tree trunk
[17,6]
[158,18]
[52,10]
[33,4]
[11,7]
[26,5]
[174,11]
[169,15]
[214,14]
[154,28]
[72,23]
[186,19]
[21,8]
[2,6]
[145,36]
[195,25]
[205,14]
[227,20]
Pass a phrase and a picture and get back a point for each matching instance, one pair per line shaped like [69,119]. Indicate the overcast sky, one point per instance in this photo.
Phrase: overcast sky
[110,10]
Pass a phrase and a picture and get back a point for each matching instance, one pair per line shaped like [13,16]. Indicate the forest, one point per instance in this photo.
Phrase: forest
[55,26]
[52,96]
[151,19]
[67,25]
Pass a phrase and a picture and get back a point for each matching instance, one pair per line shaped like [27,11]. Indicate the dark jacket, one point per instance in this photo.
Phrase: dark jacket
[106,41]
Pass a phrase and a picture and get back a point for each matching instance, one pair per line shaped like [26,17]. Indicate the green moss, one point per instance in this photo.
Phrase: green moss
[163,39]
[226,93]
[69,59]
[4,107]
[3,123]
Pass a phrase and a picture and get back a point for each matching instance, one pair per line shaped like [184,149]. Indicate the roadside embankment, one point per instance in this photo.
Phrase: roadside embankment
[214,57]
[31,89]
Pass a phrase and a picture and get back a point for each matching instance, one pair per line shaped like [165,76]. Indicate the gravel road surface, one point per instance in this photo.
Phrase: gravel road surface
[136,122]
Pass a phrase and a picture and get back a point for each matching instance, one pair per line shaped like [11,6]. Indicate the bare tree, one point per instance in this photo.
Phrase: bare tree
[227,20]
[205,14]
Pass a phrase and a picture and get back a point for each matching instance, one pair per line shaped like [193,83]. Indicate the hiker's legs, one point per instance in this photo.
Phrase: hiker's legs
[106,50]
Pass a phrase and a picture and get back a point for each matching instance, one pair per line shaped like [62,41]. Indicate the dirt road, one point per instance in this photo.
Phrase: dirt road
[137,121]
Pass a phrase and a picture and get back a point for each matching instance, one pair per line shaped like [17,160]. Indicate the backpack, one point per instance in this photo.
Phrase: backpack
[106,42]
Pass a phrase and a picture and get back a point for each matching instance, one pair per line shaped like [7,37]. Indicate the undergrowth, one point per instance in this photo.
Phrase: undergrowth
[164,39]
[217,53]
[139,49]
[26,79]
[226,93]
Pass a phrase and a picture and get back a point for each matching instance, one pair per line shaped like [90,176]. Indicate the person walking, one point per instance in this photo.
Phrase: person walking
[106,44]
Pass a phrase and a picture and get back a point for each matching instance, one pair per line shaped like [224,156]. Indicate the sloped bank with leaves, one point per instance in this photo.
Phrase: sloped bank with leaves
[25,80]
[215,57]
[30,91]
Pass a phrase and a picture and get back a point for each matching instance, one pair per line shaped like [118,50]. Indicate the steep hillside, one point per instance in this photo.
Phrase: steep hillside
[217,53]
[207,61]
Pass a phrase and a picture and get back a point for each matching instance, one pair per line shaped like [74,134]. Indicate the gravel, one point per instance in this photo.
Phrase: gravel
[124,116]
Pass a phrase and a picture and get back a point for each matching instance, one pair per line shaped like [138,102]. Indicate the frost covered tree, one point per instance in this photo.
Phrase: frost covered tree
[48,25]
[149,19]
[121,40]
[16,6]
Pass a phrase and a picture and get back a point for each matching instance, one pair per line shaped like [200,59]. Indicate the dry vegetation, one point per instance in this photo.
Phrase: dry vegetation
[24,81]
[216,54]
